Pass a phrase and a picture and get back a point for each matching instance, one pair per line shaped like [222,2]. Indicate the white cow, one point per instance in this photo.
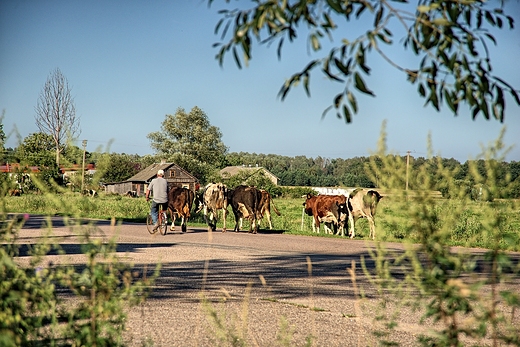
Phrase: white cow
[214,198]
[362,203]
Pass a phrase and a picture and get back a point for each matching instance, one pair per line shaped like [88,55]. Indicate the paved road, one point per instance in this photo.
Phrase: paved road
[262,283]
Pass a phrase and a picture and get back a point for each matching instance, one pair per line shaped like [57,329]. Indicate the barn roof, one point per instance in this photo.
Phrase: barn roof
[150,172]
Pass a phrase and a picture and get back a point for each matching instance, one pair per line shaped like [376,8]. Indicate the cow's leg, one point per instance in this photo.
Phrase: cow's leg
[268,216]
[352,222]
[183,223]
[172,217]
[326,229]
[213,220]
[316,225]
[206,220]
[224,216]
[209,217]
[238,222]
[372,225]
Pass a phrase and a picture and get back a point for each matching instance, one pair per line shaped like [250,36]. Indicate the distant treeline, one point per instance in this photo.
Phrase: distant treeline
[353,172]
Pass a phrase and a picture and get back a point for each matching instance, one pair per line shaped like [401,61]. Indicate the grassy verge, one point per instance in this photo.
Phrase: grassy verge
[393,222]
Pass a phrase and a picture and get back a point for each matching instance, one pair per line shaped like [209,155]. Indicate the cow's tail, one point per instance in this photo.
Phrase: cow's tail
[275,209]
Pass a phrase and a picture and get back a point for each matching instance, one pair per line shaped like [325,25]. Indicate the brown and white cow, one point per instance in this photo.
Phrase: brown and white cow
[245,202]
[214,198]
[328,209]
[180,201]
[362,203]
[265,208]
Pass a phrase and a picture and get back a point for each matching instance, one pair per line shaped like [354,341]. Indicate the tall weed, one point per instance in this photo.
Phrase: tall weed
[32,312]
[458,302]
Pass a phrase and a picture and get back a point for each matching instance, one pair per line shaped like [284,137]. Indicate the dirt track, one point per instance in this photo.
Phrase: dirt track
[252,281]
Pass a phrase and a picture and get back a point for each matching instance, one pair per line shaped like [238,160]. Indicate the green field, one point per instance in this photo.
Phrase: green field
[464,221]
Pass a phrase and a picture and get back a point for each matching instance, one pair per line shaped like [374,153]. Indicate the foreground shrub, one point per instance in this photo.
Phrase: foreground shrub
[32,312]
[461,301]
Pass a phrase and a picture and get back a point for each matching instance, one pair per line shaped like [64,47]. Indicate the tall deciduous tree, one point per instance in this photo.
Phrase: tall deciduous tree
[190,141]
[56,113]
[449,40]
[2,137]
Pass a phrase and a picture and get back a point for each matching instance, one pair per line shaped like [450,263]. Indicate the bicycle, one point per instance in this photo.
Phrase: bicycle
[162,221]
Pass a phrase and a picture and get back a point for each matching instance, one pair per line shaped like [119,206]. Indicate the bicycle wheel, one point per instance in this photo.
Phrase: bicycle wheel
[163,227]
[149,224]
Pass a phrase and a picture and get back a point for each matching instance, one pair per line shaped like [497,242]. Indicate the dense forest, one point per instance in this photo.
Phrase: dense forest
[354,172]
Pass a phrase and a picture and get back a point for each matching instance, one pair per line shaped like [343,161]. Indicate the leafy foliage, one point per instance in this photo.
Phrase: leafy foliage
[31,311]
[117,167]
[448,40]
[457,302]
[190,141]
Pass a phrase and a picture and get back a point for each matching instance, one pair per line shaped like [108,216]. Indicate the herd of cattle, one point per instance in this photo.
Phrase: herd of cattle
[253,204]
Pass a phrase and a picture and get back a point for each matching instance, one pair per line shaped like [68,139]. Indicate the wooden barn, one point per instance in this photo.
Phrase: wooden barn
[137,184]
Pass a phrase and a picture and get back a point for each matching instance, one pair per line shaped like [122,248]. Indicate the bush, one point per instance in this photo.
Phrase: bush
[30,308]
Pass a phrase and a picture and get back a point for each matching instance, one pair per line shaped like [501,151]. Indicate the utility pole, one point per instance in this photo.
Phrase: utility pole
[407,166]
[83,167]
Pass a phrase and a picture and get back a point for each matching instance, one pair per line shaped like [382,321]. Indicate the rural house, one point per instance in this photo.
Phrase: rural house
[251,170]
[137,184]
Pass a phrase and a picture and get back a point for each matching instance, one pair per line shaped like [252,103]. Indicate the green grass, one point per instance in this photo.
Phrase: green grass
[393,220]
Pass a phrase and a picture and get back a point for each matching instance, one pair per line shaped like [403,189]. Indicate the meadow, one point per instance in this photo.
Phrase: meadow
[464,219]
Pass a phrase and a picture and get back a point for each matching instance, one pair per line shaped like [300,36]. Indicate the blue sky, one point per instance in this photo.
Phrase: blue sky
[130,63]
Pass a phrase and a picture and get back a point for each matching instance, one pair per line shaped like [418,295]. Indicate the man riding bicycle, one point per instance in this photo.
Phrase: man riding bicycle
[159,189]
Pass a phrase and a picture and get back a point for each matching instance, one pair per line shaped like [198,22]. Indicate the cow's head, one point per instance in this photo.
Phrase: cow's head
[309,203]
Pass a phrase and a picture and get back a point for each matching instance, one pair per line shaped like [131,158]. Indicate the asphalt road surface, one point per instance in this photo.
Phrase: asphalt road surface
[265,288]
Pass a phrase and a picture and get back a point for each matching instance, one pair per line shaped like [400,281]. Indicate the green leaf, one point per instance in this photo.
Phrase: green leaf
[315,42]
[362,8]
[341,67]
[237,60]
[441,21]
[484,107]
[379,15]
[423,9]
[306,79]
[335,6]
[346,114]
[491,37]
[360,85]
[422,90]
[352,101]
[490,19]
[337,100]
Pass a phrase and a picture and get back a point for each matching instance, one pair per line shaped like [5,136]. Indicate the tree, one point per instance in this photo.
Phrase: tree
[190,141]
[119,167]
[2,136]
[56,113]
[36,150]
[448,38]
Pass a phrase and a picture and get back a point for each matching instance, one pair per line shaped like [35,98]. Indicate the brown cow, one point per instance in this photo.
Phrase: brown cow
[245,202]
[362,204]
[328,209]
[15,192]
[180,201]
[265,207]
[214,198]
